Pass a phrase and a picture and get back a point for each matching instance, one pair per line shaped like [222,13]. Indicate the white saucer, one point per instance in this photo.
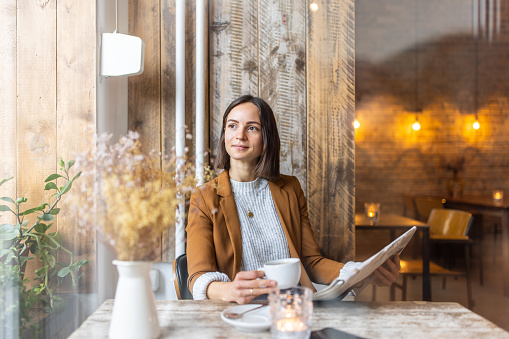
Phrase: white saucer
[255,321]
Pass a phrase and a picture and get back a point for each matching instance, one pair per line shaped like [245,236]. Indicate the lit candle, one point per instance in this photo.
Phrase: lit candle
[291,324]
[498,195]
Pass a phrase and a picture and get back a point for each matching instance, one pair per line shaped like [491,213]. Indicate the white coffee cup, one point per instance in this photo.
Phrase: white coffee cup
[286,272]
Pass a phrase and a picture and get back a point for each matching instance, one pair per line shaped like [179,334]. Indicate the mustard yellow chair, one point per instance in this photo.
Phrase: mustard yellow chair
[446,225]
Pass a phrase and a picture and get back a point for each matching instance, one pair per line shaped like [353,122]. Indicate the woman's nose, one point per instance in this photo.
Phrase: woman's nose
[240,134]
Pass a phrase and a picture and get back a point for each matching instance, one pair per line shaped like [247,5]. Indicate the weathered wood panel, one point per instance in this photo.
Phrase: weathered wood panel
[36,100]
[190,72]
[233,57]
[404,319]
[330,106]
[145,89]
[168,102]
[168,75]
[76,110]
[8,164]
[282,58]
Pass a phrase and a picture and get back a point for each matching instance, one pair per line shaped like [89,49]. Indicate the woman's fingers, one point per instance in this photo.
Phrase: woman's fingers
[249,275]
[388,273]
[249,285]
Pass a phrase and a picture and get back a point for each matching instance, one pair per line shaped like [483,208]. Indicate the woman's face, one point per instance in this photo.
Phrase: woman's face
[243,134]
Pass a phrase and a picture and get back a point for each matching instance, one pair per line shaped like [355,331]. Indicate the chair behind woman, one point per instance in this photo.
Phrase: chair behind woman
[446,226]
[180,276]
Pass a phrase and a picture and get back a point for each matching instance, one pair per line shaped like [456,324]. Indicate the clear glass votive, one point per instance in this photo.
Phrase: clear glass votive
[372,210]
[498,195]
[291,311]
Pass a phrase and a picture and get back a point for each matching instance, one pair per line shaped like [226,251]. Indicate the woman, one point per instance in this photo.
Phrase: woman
[251,214]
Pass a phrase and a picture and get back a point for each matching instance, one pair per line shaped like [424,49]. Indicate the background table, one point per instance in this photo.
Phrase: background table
[410,319]
[393,222]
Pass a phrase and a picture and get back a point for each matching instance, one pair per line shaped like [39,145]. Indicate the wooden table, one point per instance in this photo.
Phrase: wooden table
[393,222]
[486,206]
[404,319]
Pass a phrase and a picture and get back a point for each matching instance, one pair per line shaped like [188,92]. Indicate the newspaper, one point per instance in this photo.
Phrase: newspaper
[343,284]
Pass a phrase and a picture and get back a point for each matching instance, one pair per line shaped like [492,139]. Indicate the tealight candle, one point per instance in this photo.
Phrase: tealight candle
[372,210]
[498,195]
[292,324]
[291,310]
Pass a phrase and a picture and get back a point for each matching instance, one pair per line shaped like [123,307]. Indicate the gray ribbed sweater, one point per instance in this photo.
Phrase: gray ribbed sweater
[263,238]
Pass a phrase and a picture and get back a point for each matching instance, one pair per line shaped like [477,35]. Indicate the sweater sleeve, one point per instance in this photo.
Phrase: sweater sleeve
[200,244]
[202,283]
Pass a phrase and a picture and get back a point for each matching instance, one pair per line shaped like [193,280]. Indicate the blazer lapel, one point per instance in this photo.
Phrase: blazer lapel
[231,217]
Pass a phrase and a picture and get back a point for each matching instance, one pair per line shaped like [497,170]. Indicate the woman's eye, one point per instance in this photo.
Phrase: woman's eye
[253,128]
[231,126]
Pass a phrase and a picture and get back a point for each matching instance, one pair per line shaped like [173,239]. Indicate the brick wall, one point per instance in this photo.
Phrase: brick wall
[422,53]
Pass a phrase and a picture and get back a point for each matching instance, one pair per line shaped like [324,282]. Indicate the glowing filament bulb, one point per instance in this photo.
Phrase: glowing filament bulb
[313,6]
[476,124]
[416,126]
[356,123]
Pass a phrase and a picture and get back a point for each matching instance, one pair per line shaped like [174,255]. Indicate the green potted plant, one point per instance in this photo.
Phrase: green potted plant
[31,237]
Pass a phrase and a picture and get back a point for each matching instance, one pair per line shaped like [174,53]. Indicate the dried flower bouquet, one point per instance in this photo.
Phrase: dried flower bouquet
[135,194]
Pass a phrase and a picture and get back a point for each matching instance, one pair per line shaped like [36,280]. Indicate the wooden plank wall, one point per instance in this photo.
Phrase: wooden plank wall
[8,102]
[152,93]
[282,80]
[36,103]
[331,139]
[76,109]
[48,97]
[233,52]
[300,62]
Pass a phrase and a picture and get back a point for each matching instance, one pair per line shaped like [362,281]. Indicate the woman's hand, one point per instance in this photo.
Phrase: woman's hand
[245,287]
[388,272]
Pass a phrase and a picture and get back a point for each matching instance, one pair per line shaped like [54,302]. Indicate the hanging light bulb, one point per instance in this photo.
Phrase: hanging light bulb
[416,126]
[313,6]
[476,124]
[356,124]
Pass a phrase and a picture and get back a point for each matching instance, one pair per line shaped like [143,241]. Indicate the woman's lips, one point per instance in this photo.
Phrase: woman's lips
[240,147]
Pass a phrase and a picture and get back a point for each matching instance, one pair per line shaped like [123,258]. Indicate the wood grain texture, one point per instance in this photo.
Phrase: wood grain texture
[8,166]
[282,55]
[36,100]
[330,107]
[190,73]
[168,104]
[233,57]
[145,89]
[76,112]
[201,319]
[168,75]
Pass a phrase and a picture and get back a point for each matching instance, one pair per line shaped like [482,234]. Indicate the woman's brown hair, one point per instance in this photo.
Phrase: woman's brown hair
[267,166]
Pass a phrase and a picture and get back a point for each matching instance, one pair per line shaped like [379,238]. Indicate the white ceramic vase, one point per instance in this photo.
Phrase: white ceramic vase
[134,311]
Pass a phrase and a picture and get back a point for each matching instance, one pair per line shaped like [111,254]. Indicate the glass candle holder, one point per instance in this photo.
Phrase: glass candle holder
[372,210]
[291,311]
[498,195]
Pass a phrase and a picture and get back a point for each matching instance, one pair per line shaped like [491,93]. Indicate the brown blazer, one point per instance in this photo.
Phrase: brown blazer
[214,238]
